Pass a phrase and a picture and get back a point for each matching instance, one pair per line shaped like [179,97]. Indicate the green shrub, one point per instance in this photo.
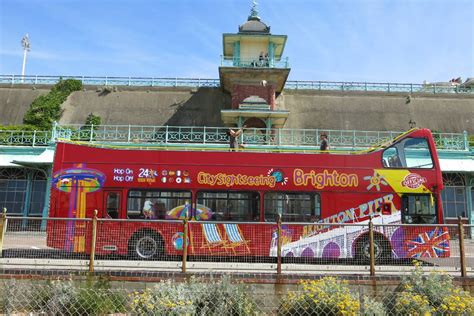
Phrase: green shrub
[93,120]
[373,307]
[194,297]
[408,303]
[328,296]
[67,86]
[46,108]
[433,293]
[65,297]
[95,301]
[91,124]
[18,128]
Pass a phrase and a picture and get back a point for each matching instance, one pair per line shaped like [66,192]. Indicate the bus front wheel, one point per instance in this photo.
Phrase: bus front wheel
[146,246]
[381,249]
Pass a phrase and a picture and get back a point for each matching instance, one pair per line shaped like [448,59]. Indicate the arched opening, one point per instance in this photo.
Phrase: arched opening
[255,122]
[255,131]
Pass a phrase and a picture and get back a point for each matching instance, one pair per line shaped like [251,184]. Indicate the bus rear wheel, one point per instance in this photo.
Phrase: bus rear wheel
[146,246]
[381,249]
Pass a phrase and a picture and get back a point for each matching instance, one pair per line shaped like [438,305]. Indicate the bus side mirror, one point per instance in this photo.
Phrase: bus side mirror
[386,209]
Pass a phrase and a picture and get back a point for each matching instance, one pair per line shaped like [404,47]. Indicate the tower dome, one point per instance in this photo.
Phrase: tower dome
[254,24]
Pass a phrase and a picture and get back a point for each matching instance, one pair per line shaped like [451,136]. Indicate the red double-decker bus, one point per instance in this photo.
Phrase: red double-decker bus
[225,194]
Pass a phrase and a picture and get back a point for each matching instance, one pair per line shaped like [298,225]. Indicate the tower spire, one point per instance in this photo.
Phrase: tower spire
[254,11]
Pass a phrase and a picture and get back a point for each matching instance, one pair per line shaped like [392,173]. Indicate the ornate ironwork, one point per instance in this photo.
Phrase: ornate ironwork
[202,135]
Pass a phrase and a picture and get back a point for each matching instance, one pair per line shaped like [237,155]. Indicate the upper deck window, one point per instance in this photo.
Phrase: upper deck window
[410,153]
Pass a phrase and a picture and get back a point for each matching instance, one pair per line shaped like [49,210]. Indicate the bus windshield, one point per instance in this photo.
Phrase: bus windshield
[413,153]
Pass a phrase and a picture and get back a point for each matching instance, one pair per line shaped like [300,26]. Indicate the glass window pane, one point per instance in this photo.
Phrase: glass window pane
[417,153]
[294,207]
[112,204]
[12,195]
[155,204]
[448,194]
[461,209]
[390,158]
[450,210]
[230,206]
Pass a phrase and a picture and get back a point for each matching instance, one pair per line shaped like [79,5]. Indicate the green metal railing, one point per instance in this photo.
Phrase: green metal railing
[111,81]
[433,88]
[216,137]
[229,61]
[25,138]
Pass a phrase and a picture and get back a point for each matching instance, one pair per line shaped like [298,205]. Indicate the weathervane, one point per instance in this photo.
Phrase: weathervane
[25,42]
[254,10]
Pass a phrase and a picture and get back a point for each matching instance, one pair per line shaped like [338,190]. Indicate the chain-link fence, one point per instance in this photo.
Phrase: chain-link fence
[415,294]
[142,246]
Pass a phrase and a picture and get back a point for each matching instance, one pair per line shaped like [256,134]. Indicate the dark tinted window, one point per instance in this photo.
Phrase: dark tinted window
[154,204]
[294,207]
[230,206]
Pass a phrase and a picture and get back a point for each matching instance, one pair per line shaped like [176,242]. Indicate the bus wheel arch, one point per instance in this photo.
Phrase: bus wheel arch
[382,247]
[146,244]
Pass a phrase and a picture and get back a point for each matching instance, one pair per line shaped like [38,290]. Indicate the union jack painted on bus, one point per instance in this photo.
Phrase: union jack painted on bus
[430,244]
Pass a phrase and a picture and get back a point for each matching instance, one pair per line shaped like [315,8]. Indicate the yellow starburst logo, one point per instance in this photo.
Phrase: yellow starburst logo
[375,181]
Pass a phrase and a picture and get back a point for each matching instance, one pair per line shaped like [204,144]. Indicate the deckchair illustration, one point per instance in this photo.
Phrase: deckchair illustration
[235,237]
[212,237]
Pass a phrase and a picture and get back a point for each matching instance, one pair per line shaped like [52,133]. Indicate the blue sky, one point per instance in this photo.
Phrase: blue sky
[335,40]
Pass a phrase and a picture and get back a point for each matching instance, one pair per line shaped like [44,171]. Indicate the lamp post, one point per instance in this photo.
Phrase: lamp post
[25,42]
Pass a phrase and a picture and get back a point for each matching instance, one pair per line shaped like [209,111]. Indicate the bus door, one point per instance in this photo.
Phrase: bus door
[108,230]
[419,209]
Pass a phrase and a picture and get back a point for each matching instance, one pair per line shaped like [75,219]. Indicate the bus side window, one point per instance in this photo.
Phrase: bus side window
[112,204]
[390,158]
[316,216]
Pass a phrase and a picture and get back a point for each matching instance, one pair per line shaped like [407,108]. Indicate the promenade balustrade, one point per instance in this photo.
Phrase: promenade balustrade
[388,87]
[216,138]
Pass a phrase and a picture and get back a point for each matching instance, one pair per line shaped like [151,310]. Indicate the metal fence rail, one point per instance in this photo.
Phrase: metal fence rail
[199,82]
[202,135]
[111,81]
[368,248]
[25,138]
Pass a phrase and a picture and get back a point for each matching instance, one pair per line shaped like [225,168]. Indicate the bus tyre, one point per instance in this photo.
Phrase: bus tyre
[146,246]
[381,249]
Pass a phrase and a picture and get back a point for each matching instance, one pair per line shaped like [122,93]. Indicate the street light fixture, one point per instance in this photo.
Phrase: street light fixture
[25,42]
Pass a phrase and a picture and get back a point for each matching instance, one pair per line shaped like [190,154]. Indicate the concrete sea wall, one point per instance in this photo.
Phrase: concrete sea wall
[201,106]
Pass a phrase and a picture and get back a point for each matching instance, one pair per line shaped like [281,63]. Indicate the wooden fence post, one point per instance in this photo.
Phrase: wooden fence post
[279,244]
[3,229]
[371,250]
[93,242]
[462,253]
[185,244]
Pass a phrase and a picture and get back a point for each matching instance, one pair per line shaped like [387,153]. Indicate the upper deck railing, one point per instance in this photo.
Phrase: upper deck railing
[209,137]
[200,82]
[227,61]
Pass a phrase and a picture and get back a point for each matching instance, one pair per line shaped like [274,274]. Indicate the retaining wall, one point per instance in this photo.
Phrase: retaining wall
[201,106]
